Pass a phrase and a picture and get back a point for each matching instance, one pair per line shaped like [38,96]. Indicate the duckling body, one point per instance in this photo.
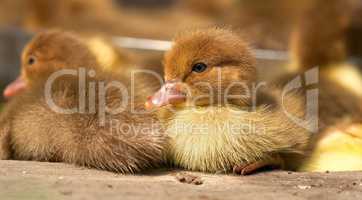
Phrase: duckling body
[39,133]
[88,133]
[218,138]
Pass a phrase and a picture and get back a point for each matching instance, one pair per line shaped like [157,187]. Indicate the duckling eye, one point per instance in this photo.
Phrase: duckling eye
[199,67]
[31,60]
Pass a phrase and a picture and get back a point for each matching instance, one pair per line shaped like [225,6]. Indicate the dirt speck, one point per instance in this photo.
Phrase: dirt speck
[66,192]
[304,187]
[185,177]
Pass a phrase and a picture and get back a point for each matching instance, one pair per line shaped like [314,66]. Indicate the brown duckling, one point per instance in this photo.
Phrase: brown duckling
[74,117]
[213,122]
[320,41]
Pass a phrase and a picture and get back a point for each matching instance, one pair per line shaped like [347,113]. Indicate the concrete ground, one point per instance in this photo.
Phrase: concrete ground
[40,180]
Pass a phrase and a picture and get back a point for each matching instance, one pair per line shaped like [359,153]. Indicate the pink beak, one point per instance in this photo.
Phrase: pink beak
[170,93]
[14,88]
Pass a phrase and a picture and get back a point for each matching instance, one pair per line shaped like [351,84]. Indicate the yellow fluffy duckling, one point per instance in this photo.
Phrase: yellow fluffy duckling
[339,149]
[213,129]
[110,57]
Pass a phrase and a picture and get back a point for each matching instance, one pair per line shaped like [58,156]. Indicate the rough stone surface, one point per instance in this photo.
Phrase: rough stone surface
[39,180]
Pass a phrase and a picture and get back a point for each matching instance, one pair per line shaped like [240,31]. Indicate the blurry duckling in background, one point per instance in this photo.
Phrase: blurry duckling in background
[109,56]
[354,32]
[337,149]
[212,8]
[201,112]
[120,60]
[264,23]
[320,41]
[90,17]
[90,135]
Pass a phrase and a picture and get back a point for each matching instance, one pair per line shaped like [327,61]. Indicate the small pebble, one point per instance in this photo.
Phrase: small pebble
[66,192]
[304,187]
[189,178]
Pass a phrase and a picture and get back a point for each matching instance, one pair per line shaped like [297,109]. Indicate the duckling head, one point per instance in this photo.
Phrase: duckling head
[205,67]
[47,53]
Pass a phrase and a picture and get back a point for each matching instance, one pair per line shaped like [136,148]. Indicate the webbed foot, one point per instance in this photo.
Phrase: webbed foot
[274,162]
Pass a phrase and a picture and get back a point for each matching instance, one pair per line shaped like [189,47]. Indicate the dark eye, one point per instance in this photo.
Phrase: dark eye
[199,67]
[31,60]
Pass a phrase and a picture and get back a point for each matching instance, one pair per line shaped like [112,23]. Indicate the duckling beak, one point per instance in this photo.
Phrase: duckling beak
[14,88]
[170,93]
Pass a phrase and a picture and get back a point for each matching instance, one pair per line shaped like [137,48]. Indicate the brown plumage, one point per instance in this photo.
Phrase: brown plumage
[319,38]
[354,30]
[212,8]
[31,129]
[89,17]
[319,41]
[199,97]
[265,23]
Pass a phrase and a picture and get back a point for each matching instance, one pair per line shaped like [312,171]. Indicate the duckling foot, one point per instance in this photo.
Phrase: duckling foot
[189,178]
[247,169]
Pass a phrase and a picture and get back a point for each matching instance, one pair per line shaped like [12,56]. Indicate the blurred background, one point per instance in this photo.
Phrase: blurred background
[266,25]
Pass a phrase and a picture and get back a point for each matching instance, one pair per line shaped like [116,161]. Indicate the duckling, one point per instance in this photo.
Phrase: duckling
[319,42]
[337,149]
[81,124]
[213,125]
[109,56]
[120,60]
